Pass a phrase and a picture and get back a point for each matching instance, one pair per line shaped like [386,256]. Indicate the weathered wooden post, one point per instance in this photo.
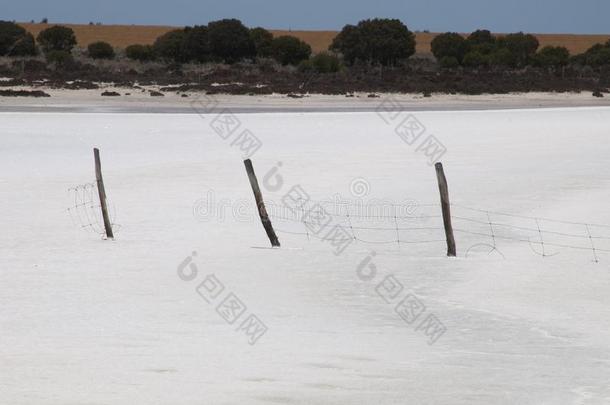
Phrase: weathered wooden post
[260,204]
[446,208]
[102,193]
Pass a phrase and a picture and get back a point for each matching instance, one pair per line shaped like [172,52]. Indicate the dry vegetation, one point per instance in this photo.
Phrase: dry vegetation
[121,36]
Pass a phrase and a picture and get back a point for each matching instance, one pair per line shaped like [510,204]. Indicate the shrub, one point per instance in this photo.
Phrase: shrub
[196,46]
[59,58]
[56,38]
[599,58]
[306,66]
[289,50]
[500,57]
[521,46]
[481,37]
[142,53]
[449,44]
[449,62]
[325,62]
[170,46]
[230,41]
[10,33]
[474,59]
[26,46]
[100,50]
[377,41]
[597,55]
[552,56]
[481,41]
[262,40]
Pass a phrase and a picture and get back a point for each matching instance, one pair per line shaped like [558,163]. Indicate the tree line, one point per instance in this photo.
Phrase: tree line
[385,42]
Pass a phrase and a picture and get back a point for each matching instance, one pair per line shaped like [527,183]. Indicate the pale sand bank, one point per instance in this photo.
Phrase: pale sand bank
[139,101]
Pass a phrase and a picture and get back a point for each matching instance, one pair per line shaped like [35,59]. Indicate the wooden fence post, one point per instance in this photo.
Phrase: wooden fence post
[446,208]
[260,204]
[102,193]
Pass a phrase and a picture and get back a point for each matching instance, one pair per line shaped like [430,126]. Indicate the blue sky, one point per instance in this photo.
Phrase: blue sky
[540,16]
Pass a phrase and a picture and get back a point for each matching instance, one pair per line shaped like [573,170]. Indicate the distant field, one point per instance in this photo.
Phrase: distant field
[121,36]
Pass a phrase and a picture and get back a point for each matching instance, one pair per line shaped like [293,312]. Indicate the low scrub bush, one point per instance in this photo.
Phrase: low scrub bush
[142,53]
[449,44]
[57,38]
[100,50]
[377,41]
[325,62]
[289,50]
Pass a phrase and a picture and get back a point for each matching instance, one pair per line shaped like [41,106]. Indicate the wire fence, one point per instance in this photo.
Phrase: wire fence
[85,210]
[473,228]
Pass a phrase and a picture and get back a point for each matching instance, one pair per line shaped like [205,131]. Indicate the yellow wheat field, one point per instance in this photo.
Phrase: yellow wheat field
[121,36]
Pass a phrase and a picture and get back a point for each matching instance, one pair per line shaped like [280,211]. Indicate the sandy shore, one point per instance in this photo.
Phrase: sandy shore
[140,101]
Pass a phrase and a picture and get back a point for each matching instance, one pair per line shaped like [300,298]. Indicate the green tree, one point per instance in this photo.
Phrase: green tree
[501,57]
[552,56]
[481,37]
[481,41]
[142,53]
[325,62]
[100,50]
[521,46]
[262,41]
[377,41]
[170,46]
[597,55]
[449,62]
[10,33]
[289,50]
[57,38]
[196,46]
[230,41]
[25,46]
[449,44]
[349,43]
[475,59]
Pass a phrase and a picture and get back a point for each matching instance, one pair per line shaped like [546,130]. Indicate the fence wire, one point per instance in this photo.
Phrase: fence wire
[85,210]
[472,227]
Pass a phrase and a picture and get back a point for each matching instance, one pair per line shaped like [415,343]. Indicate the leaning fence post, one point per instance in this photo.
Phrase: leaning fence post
[260,204]
[446,208]
[102,193]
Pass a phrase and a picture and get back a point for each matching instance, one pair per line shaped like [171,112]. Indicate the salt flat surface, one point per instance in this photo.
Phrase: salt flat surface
[139,101]
[84,320]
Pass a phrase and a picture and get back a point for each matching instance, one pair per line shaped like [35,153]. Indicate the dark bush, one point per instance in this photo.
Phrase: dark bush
[26,46]
[449,62]
[377,41]
[522,47]
[306,66]
[10,33]
[196,45]
[599,58]
[142,53]
[100,50]
[59,58]
[500,57]
[552,57]
[597,55]
[475,59]
[325,62]
[262,41]
[289,50]
[349,43]
[449,44]
[170,46]
[56,38]
[481,41]
[230,41]
[481,37]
